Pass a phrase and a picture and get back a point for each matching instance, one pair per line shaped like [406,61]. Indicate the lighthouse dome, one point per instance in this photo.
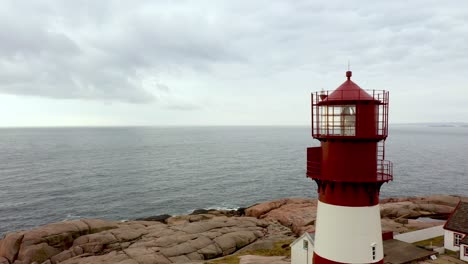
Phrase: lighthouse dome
[348,91]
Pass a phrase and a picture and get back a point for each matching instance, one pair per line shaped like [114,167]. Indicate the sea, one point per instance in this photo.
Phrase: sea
[120,173]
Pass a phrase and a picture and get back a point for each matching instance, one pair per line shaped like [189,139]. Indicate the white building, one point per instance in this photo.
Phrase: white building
[302,249]
[456,231]
[464,249]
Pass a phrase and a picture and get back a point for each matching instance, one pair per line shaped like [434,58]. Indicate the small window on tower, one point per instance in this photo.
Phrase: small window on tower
[305,244]
[374,254]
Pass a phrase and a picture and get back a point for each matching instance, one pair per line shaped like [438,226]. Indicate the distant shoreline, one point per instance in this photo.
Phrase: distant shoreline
[430,124]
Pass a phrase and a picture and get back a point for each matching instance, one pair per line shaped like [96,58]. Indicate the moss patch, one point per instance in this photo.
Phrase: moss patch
[452,253]
[436,241]
[233,259]
[281,248]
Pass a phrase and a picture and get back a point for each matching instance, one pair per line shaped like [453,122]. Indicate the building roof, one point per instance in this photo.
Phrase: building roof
[307,235]
[464,241]
[458,220]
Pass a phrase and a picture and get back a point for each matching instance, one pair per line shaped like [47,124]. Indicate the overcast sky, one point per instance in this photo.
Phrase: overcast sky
[71,63]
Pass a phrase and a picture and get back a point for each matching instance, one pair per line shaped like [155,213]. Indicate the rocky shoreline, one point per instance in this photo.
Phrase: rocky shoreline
[200,236]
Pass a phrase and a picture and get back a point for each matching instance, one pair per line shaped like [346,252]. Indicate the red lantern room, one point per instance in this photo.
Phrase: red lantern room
[350,112]
[349,169]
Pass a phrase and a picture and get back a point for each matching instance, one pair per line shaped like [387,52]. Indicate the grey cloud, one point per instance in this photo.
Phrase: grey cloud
[183,107]
[162,87]
[27,42]
[108,62]
[102,50]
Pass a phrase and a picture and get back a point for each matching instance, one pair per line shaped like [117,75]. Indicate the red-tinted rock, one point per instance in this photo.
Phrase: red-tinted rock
[10,246]
[37,253]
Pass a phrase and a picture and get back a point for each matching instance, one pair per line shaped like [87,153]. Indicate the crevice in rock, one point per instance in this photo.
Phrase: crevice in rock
[78,228]
[131,242]
[15,257]
[130,257]
[89,227]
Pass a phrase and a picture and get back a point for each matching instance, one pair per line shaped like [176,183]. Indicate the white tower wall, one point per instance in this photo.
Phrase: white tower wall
[348,234]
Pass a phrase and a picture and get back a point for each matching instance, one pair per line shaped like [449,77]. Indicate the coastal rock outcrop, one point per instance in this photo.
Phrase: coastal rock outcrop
[203,235]
[398,214]
[296,213]
[40,244]
[98,241]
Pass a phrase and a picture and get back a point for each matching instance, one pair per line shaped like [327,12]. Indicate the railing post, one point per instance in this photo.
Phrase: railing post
[312,112]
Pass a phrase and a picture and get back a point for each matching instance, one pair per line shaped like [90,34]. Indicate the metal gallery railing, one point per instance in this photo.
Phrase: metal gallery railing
[337,116]
[384,172]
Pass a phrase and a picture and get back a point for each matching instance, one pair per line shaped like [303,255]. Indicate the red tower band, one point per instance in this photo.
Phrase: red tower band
[349,168]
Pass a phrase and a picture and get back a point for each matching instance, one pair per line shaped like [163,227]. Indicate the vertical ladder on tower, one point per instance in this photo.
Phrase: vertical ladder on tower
[381,150]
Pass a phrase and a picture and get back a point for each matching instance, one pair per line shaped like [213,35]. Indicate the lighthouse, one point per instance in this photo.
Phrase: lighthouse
[349,168]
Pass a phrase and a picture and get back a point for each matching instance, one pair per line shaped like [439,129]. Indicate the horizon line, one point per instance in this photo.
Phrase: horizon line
[221,125]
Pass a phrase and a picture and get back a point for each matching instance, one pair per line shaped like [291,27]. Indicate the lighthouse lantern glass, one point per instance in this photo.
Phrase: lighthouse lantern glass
[337,120]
